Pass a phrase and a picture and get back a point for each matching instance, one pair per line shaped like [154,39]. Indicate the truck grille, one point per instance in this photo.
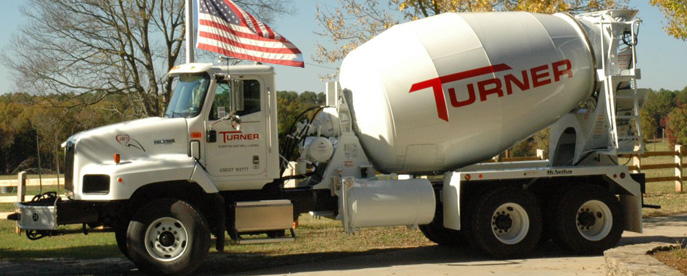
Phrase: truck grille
[96,184]
[69,167]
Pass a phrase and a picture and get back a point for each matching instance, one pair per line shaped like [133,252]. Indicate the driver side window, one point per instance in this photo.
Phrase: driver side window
[223,97]
[222,104]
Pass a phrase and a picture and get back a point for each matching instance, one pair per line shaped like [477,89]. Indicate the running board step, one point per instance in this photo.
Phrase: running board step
[267,240]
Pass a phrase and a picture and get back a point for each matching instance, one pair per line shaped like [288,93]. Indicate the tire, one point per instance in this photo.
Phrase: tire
[548,211]
[506,222]
[588,220]
[437,233]
[442,235]
[120,237]
[168,237]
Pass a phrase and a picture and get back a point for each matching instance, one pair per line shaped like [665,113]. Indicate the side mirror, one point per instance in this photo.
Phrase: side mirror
[236,122]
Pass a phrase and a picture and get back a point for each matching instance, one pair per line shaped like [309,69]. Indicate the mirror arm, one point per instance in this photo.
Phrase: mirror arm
[235,120]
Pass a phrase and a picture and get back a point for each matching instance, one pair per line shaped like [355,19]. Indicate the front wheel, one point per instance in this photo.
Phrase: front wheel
[168,237]
[120,237]
[588,220]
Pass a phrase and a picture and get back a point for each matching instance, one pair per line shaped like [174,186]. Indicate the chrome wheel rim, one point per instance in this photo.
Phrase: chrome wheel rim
[594,220]
[166,239]
[510,223]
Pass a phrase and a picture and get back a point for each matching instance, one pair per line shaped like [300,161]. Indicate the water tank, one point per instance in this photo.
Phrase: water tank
[451,90]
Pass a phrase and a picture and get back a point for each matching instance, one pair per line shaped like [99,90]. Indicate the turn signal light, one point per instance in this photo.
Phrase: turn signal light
[197,135]
[117,158]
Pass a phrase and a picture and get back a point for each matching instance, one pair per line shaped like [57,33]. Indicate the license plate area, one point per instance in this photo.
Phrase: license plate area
[36,217]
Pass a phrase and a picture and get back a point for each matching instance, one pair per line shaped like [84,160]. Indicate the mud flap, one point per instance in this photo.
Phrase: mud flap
[221,218]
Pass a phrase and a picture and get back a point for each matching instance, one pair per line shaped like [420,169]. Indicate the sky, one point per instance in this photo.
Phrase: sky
[661,58]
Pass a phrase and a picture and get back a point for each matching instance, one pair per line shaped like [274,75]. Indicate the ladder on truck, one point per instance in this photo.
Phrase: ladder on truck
[619,65]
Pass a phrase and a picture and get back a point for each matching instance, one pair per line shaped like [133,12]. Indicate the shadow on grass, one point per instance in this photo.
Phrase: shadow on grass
[79,260]
[77,252]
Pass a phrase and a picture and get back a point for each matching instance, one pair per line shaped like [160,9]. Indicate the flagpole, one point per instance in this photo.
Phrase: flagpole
[188,10]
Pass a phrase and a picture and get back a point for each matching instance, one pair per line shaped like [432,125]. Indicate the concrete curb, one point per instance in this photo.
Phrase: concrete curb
[633,260]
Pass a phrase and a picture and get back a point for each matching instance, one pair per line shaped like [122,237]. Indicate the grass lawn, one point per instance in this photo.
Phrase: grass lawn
[661,193]
[314,236]
[93,246]
[675,258]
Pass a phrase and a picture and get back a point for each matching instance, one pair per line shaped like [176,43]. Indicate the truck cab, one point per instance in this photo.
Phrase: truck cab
[231,116]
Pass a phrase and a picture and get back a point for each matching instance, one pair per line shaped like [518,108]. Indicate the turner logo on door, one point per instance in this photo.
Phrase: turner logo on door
[228,136]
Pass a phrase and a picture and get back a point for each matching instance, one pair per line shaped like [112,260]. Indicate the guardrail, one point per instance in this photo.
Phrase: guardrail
[22,182]
[677,164]
[540,156]
[637,166]
[52,181]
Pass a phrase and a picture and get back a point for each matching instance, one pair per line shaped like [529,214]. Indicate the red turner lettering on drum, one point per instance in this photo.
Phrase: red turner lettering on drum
[540,76]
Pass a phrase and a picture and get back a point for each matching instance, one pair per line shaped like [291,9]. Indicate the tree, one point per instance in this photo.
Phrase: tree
[351,25]
[676,13]
[108,47]
[677,126]
[11,126]
[265,10]
[357,21]
[657,106]
[123,47]
[290,104]
[649,125]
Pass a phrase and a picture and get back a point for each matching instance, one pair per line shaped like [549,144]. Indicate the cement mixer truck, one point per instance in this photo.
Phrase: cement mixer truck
[404,139]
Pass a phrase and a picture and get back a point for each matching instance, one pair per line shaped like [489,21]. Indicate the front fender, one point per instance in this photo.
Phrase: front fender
[200,176]
[130,175]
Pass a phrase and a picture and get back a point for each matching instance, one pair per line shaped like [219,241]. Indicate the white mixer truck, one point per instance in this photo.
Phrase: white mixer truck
[433,97]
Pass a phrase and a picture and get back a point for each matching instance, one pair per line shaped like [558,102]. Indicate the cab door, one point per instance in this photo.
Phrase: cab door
[238,150]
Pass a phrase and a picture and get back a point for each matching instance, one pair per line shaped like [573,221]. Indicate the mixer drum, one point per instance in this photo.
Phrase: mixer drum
[451,90]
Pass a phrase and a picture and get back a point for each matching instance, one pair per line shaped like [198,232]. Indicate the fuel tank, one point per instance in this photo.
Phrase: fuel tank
[451,90]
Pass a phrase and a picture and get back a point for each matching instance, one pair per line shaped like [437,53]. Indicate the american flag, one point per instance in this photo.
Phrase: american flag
[226,29]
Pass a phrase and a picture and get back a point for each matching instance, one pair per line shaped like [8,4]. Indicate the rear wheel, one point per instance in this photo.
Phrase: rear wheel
[436,232]
[549,206]
[506,222]
[168,237]
[588,220]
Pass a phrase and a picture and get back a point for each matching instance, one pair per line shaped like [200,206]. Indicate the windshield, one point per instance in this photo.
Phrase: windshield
[189,93]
